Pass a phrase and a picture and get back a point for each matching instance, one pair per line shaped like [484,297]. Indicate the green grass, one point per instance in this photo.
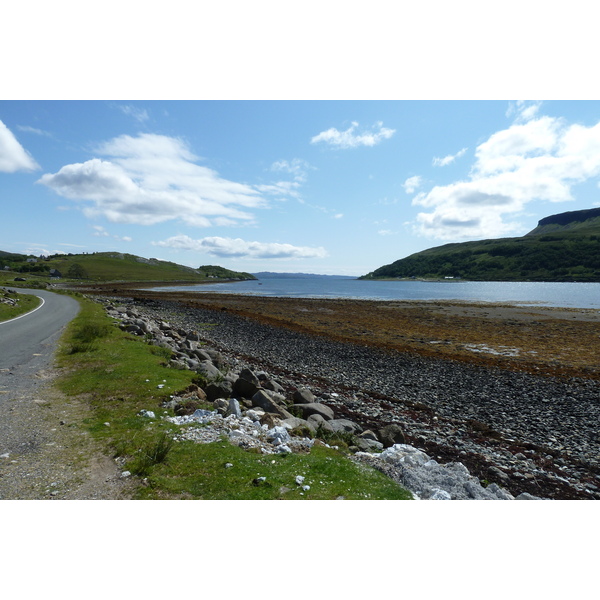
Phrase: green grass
[118,375]
[114,266]
[200,471]
[26,302]
[111,366]
[33,281]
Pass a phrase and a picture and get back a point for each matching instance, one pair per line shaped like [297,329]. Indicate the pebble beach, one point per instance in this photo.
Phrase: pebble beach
[519,419]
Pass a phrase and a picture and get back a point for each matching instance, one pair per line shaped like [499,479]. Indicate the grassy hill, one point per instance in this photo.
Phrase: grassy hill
[563,247]
[112,266]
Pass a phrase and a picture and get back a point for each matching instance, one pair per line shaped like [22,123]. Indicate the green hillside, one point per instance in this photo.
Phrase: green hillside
[564,247]
[111,266]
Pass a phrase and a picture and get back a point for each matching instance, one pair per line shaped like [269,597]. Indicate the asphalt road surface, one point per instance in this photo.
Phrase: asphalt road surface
[36,448]
[32,336]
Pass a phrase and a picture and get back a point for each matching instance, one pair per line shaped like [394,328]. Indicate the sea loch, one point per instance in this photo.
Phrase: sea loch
[568,295]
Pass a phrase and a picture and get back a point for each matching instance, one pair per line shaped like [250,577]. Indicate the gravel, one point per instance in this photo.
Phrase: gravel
[44,451]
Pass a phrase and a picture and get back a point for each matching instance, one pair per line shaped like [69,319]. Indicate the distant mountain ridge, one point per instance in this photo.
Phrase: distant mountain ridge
[272,275]
[563,247]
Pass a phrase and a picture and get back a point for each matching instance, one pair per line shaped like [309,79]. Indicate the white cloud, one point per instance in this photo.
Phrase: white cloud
[238,248]
[391,201]
[412,184]
[511,148]
[139,114]
[151,179]
[540,159]
[281,189]
[101,232]
[297,167]
[13,157]
[349,139]
[29,129]
[447,160]
[523,110]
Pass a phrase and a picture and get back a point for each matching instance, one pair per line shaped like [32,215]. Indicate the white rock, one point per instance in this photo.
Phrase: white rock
[203,414]
[440,495]
[234,408]
[299,479]
[255,414]
[278,435]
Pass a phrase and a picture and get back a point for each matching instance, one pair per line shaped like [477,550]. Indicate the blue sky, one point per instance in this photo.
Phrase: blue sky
[334,187]
[292,137]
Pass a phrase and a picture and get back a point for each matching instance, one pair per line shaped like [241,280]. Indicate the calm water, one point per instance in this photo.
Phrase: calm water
[575,295]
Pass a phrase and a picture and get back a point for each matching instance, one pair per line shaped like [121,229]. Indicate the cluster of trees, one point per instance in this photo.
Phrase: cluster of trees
[216,272]
[19,263]
[30,267]
[76,271]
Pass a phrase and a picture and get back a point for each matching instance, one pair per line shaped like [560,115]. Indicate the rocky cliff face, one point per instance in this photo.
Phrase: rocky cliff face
[567,221]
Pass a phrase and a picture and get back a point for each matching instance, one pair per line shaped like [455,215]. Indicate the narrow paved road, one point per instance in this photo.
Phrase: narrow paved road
[45,452]
[30,336]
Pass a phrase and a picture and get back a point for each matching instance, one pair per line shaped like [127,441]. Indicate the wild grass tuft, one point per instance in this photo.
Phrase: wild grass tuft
[342,439]
[85,337]
[151,454]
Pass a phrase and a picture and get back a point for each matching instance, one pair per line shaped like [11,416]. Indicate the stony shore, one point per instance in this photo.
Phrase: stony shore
[528,433]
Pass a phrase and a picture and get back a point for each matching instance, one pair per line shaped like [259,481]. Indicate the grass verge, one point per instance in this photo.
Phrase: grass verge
[119,375]
[25,303]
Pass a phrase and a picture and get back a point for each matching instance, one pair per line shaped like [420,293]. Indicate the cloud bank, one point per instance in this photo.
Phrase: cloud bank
[238,248]
[13,157]
[536,158]
[151,179]
[350,139]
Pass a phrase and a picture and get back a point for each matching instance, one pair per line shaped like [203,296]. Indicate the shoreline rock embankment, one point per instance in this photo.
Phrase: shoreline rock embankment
[513,434]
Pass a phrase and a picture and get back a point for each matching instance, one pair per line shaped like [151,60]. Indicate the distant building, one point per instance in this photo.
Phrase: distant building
[55,273]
